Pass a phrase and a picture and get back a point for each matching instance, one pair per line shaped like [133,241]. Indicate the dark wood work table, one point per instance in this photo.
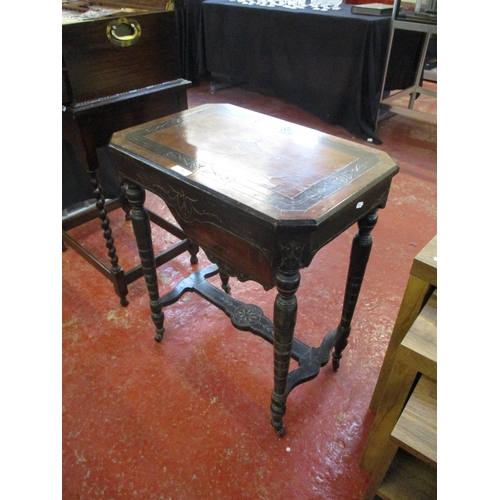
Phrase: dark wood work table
[260,196]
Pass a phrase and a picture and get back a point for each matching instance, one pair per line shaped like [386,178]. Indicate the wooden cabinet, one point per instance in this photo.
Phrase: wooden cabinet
[114,47]
[400,453]
[120,68]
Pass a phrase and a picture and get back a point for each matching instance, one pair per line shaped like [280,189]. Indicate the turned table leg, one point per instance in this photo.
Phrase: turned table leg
[360,253]
[225,282]
[142,230]
[285,315]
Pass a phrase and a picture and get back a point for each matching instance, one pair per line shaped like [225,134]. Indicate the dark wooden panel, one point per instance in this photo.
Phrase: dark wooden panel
[111,69]
[112,115]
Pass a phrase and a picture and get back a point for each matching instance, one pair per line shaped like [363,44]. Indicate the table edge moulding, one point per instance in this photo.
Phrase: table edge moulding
[260,196]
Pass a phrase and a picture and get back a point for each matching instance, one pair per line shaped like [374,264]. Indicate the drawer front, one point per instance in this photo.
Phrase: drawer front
[96,67]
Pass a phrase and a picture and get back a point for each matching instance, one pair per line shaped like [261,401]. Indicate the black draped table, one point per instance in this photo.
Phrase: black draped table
[330,63]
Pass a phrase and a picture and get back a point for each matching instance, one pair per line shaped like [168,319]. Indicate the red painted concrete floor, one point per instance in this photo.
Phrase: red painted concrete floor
[188,418]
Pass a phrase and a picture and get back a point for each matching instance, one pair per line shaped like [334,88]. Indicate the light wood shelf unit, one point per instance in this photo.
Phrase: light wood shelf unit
[401,451]
[421,283]
[416,355]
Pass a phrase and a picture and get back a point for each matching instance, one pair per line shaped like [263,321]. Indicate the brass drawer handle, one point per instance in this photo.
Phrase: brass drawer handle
[123,32]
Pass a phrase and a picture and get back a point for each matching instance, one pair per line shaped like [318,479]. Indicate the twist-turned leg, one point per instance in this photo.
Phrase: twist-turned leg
[142,230]
[285,315]
[119,276]
[360,253]
[88,155]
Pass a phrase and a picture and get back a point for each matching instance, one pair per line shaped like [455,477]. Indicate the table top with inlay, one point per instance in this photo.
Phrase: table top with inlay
[256,178]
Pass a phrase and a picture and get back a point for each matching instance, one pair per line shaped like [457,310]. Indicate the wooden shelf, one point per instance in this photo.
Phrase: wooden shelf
[421,283]
[412,474]
[408,478]
[401,451]
[416,354]
[416,429]
[419,347]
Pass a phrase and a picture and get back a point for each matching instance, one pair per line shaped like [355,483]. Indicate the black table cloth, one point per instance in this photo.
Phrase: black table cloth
[329,63]
[192,46]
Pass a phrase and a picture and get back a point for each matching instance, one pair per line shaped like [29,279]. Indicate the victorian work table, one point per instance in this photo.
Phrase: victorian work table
[260,196]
